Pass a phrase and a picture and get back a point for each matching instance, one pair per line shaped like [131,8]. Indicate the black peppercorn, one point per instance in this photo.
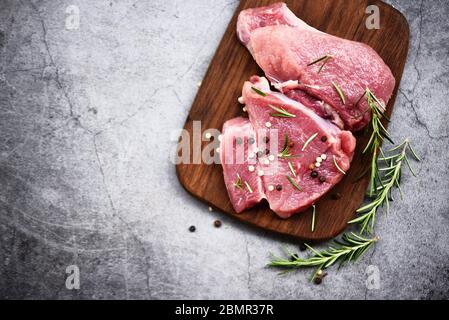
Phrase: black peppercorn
[239,141]
[322,179]
[266,139]
[324,138]
[314,174]
[192,228]
[278,187]
[317,280]
[251,140]
[217,223]
[259,154]
[267,152]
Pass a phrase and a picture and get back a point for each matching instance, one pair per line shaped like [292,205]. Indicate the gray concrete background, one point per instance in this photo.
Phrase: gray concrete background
[85,176]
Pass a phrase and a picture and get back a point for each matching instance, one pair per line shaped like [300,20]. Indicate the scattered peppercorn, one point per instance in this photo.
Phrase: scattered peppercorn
[322,179]
[259,154]
[192,228]
[319,277]
[311,166]
[302,247]
[278,187]
[239,140]
[324,138]
[267,152]
[314,174]
[251,140]
[217,223]
[266,139]
[336,196]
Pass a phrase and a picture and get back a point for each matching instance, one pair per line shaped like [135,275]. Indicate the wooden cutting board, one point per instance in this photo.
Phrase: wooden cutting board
[216,102]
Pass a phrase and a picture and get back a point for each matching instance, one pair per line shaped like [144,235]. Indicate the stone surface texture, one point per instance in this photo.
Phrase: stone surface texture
[87,116]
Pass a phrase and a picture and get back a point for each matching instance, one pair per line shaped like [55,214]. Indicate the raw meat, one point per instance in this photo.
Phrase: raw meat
[238,142]
[317,155]
[285,48]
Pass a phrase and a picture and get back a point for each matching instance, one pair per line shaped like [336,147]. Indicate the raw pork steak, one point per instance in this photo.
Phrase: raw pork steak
[291,174]
[289,52]
[238,141]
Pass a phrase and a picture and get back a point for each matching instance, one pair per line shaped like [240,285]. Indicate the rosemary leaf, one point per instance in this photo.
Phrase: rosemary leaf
[293,182]
[319,60]
[313,217]
[248,187]
[259,92]
[309,141]
[337,166]
[291,168]
[281,112]
[340,92]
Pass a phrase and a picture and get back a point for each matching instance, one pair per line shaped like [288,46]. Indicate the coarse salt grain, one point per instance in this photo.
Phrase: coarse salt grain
[271,157]
[270,188]
[251,168]
[268,124]
[317,164]
[260,173]
[318,159]
[323,156]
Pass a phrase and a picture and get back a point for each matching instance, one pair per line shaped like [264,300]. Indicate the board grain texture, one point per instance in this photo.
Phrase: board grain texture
[216,102]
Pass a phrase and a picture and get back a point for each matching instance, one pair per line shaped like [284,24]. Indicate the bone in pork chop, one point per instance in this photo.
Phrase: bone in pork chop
[297,57]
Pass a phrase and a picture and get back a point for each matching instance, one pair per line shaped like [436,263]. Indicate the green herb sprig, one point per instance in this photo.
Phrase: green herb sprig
[390,177]
[349,249]
[379,133]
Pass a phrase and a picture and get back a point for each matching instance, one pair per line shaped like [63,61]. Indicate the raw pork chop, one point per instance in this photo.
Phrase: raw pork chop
[314,159]
[238,142]
[286,48]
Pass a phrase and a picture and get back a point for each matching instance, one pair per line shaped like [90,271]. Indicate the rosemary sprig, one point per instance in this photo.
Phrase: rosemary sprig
[238,182]
[281,112]
[313,136]
[379,133]
[340,92]
[293,182]
[351,247]
[292,169]
[259,92]
[313,217]
[285,152]
[390,177]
